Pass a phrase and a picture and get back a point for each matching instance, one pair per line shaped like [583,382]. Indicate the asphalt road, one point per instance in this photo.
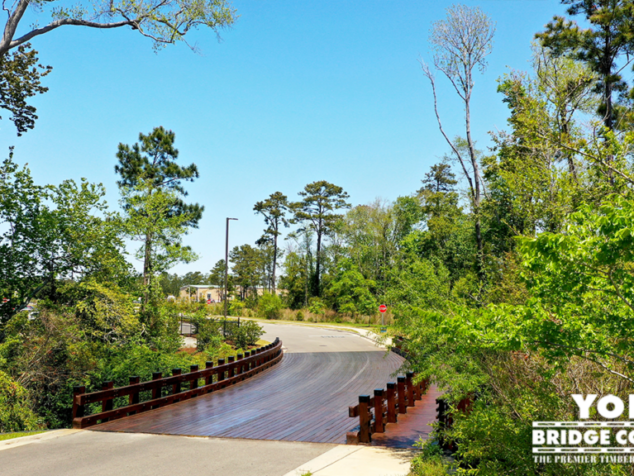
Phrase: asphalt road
[95,453]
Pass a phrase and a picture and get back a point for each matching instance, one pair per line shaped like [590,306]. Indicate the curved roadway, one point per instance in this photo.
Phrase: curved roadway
[303,398]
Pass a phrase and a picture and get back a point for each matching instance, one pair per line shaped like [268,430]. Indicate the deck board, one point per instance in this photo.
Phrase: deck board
[303,398]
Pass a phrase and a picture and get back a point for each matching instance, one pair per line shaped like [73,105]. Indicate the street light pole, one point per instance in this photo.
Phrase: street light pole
[227,264]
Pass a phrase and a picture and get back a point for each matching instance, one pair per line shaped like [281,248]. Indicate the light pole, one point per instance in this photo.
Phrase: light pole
[227,264]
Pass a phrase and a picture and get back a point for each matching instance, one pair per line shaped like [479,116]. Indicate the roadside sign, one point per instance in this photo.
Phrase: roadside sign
[208,301]
[382,308]
[383,329]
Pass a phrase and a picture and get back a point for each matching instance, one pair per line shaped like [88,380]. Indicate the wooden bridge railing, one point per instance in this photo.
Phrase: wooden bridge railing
[229,373]
[382,408]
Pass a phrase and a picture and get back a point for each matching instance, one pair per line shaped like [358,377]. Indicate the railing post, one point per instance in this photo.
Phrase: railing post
[193,383]
[402,401]
[415,389]
[107,404]
[364,419]
[391,402]
[247,365]
[176,388]
[156,392]
[379,425]
[78,410]
[210,378]
[133,398]
[409,389]
[221,373]
[231,371]
[241,365]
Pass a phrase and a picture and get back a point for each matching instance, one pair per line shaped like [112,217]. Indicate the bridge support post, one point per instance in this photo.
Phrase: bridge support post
[78,410]
[391,402]
[107,404]
[221,373]
[210,378]
[133,398]
[231,371]
[176,388]
[156,392]
[365,435]
[409,388]
[240,368]
[402,401]
[379,424]
[193,383]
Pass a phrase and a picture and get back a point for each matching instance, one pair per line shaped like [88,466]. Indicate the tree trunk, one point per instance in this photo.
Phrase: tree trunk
[318,268]
[477,183]
[147,268]
[274,261]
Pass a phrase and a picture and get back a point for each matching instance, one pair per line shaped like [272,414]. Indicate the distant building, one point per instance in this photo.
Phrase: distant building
[201,292]
[213,293]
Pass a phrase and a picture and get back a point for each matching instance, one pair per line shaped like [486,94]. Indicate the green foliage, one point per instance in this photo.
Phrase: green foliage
[208,332]
[299,316]
[317,212]
[236,307]
[270,306]
[15,407]
[20,79]
[165,22]
[53,234]
[316,306]
[350,293]
[247,334]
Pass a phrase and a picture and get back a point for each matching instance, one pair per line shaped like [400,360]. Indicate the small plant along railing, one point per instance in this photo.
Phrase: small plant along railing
[235,370]
[375,412]
[228,327]
[445,417]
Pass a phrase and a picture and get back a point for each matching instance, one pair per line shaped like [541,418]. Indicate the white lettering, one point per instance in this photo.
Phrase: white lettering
[591,437]
[574,437]
[621,437]
[605,437]
[602,406]
[538,437]
[552,437]
[584,404]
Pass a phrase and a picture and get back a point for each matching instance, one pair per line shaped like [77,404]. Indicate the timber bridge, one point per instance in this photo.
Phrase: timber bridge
[299,388]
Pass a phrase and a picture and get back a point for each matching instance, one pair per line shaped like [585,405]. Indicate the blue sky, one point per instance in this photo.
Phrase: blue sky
[295,91]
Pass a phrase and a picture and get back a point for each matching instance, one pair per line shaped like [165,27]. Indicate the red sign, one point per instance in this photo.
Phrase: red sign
[208,301]
[382,308]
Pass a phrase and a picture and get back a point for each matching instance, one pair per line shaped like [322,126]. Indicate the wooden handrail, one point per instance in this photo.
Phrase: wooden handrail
[375,412]
[246,366]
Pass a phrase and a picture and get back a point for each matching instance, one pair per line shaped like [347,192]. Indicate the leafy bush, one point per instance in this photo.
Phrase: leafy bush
[207,332]
[15,411]
[299,316]
[247,334]
[270,306]
[316,306]
[235,307]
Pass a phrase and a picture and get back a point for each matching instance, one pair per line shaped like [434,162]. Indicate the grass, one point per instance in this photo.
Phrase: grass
[10,436]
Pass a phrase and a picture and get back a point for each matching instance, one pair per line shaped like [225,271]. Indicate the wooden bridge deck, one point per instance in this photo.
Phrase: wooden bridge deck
[303,398]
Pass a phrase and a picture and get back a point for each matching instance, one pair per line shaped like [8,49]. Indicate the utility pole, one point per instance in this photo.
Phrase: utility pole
[227,264]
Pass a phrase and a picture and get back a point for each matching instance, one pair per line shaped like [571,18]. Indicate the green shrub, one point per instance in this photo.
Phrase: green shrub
[316,306]
[208,334]
[247,334]
[15,411]
[270,306]
[235,307]
[299,316]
